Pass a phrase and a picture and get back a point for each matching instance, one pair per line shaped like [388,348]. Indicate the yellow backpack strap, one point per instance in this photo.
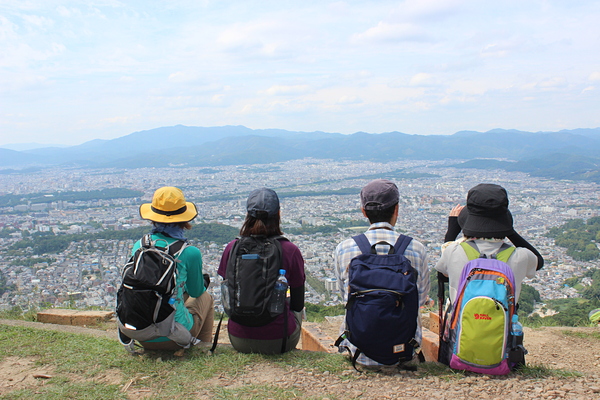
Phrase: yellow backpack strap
[505,252]
[470,249]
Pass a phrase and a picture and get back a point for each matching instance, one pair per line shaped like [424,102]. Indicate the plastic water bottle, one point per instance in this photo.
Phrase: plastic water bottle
[278,295]
[517,331]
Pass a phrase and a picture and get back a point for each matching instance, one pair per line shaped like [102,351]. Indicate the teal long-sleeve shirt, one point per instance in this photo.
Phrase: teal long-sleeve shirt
[189,278]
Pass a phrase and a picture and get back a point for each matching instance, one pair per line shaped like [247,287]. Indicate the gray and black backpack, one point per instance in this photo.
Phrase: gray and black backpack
[146,298]
[252,270]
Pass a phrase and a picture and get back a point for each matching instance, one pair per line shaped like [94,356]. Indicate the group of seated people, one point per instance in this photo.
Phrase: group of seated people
[484,220]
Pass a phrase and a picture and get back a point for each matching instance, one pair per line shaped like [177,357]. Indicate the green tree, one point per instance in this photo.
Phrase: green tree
[572,312]
[317,312]
[527,299]
[578,238]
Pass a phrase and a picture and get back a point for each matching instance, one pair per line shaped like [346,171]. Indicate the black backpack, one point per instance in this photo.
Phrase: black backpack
[252,270]
[145,303]
[383,303]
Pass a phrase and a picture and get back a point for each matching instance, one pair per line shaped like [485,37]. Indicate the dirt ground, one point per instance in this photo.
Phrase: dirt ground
[571,349]
[564,348]
[22,373]
[552,347]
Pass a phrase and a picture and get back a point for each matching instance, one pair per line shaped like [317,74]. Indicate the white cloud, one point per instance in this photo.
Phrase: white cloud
[37,21]
[347,100]
[422,79]
[553,83]
[391,32]
[121,119]
[429,9]
[500,49]
[182,77]
[588,89]
[474,87]
[286,90]
[63,11]
[7,29]
[266,37]
[594,76]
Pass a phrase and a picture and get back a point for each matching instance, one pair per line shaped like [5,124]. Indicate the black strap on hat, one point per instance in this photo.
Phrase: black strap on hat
[169,213]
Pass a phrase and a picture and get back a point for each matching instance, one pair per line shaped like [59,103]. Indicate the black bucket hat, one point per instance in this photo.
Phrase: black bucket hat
[486,214]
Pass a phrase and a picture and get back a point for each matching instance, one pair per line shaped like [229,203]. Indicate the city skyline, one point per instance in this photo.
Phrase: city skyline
[91,266]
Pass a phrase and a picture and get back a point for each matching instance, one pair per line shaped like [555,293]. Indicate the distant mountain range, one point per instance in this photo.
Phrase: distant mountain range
[568,154]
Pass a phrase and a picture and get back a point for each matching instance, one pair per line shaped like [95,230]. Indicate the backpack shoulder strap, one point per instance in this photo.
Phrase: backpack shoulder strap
[173,248]
[471,249]
[177,247]
[277,240]
[363,243]
[146,240]
[401,244]
[505,252]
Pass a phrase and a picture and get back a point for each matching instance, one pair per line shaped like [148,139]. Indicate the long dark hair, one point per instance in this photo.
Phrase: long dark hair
[266,227]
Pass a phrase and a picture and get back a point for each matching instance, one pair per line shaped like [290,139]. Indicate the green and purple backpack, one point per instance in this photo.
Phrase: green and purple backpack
[478,336]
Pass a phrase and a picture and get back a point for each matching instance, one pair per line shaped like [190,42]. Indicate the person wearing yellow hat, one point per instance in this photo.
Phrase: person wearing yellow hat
[171,214]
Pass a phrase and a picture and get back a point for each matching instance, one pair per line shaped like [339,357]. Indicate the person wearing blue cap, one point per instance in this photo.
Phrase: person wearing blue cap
[263,219]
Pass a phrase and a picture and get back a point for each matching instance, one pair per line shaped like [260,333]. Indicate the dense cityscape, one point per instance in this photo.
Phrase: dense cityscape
[87,273]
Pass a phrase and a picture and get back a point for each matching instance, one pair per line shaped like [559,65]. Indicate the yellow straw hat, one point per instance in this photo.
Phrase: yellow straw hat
[168,206]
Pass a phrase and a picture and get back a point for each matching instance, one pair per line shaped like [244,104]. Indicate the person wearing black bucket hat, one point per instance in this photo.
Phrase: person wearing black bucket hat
[170,215]
[487,221]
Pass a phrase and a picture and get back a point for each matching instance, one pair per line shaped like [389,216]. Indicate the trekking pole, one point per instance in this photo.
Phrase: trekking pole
[441,295]
[442,279]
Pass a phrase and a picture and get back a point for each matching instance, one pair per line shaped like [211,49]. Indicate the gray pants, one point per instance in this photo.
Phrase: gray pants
[272,346]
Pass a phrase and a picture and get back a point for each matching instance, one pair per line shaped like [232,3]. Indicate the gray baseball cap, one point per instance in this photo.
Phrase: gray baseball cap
[379,195]
[262,202]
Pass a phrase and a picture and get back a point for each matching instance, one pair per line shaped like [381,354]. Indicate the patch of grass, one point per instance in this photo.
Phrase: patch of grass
[258,392]
[69,390]
[590,334]
[19,314]
[534,371]
[85,367]
[161,373]
[439,370]
[321,362]
[67,352]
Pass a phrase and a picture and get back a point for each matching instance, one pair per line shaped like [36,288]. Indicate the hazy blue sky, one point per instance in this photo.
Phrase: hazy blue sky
[72,71]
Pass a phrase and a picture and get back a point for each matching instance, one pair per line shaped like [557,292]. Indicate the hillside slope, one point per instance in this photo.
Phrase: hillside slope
[56,365]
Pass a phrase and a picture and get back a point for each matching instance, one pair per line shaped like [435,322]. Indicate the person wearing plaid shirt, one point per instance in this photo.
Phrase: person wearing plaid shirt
[379,203]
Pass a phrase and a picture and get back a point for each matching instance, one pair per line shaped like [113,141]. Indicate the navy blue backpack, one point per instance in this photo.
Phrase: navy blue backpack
[383,303]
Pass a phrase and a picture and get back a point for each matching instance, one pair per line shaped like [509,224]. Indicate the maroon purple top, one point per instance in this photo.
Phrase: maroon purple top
[294,266]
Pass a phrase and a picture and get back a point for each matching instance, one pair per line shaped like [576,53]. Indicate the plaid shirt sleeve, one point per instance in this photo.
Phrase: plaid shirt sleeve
[416,253]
